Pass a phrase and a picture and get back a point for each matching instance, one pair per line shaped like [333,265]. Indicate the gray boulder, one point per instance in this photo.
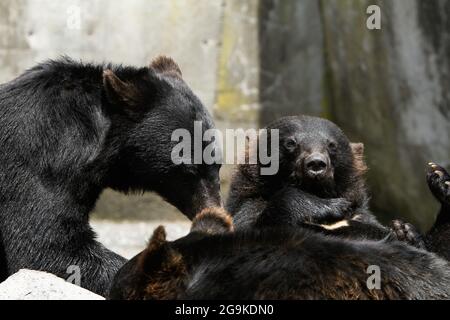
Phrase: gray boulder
[38,285]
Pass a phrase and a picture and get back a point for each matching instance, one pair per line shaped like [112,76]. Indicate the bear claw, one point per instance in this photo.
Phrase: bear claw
[439,181]
[439,173]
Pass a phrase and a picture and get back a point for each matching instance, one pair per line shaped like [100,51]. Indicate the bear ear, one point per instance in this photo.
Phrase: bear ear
[358,158]
[149,258]
[158,239]
[212,221]
[159,259]
[118,91]
[357,148]
[166,65]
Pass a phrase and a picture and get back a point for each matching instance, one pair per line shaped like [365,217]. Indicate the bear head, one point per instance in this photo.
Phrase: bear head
[314,155]
[147,106]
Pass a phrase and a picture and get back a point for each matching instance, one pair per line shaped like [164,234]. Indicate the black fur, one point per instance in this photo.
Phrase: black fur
[69,130]
[280,263]
[292,197]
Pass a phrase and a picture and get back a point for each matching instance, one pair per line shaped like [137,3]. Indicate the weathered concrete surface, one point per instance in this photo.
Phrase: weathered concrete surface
[128,32]
[238,70]
[389,89]
[291,59]
[38,285]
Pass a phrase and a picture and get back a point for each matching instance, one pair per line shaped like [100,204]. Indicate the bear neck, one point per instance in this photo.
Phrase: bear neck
[57,155]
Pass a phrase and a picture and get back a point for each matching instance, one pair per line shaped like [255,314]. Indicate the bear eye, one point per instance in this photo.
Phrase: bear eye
[332,146]
[290,144]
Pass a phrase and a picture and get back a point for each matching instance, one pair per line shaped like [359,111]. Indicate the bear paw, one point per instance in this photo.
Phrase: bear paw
[406,232]
[439,182]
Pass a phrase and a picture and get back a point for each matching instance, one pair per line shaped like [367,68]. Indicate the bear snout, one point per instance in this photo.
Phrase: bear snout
[317,166]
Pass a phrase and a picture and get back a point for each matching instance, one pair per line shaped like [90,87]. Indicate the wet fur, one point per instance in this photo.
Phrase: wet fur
[68,130]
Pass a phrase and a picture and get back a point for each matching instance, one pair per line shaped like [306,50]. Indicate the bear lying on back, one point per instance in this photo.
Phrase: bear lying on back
[213,262]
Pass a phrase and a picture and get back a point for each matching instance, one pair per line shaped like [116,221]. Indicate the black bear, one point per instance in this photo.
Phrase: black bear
[320,180]
[320,185]
[287,262]
[68,130]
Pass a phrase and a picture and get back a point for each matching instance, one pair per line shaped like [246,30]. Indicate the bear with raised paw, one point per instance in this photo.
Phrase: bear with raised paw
[437,238]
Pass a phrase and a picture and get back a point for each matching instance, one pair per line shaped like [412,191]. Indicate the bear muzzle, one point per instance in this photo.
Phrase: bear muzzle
[317,166]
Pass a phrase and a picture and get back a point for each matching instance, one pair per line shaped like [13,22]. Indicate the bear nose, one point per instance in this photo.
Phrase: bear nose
[316,164]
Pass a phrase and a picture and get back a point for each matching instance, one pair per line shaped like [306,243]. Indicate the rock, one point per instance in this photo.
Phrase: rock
[38,285]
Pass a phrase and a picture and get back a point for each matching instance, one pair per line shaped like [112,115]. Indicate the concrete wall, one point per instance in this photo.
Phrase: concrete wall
[129,32]
[238,73]
[291,59]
